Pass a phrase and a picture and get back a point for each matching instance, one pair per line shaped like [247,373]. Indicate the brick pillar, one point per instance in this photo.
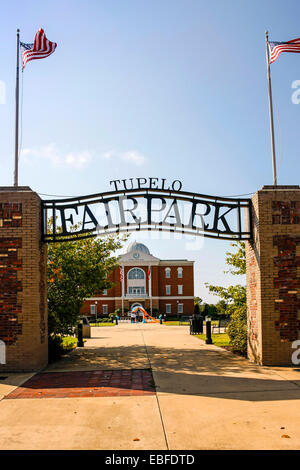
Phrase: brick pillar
[273,275]
[23,296]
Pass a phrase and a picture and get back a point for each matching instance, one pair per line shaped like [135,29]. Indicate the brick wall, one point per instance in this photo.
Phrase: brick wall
[273,281]
[159,282]
[10,307]
[187,280]
[23,298]
[85,310]
[188,306]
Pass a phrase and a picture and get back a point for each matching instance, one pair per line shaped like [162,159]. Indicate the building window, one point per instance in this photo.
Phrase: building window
[168,308]
[168,290]
[179,272]
[136,290]
[180,308]
[105,309]
[104,291]
[136,273]
[92,309]
[168,273]
[180,287]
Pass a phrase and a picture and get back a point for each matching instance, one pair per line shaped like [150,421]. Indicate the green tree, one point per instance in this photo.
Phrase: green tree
[221,307]
[209,310]
[197,310]
[197,300]
[237,260]
[235,298]
[77,270]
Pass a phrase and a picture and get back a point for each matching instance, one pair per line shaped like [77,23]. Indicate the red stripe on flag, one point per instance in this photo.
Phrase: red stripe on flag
[41,49]
[289,46]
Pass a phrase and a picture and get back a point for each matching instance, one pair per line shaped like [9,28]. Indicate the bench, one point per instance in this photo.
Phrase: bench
[184,319]
[222,323]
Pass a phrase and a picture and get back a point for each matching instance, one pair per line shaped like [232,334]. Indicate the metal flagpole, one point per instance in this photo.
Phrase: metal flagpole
[17,113]
[271,111]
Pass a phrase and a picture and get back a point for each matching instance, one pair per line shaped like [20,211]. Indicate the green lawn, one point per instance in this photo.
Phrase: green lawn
[185,323]
[102,324]
[221,339]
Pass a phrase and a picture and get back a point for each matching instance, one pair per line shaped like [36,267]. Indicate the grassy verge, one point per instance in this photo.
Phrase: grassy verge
[221,339]
[185,323]
[102,324]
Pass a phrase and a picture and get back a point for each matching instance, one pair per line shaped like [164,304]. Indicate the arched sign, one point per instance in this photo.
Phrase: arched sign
[155,207]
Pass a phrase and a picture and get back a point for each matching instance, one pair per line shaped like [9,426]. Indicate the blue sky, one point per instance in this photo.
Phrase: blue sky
[172,89]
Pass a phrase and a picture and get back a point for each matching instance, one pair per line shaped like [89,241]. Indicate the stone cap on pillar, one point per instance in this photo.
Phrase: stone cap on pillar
[278,188]
[15,188]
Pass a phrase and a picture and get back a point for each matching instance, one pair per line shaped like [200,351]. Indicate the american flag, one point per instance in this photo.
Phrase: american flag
[40,49]
[276,48]
[121,274]
[149,274]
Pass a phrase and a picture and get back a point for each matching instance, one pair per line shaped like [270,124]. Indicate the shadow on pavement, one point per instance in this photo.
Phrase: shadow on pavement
[199,372]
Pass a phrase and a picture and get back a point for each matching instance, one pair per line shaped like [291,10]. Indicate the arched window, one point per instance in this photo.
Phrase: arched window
[136,273]
[168,273]
[179,271]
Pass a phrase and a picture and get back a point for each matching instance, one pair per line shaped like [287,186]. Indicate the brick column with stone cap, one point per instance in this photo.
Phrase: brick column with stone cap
[23,296]
[273,275]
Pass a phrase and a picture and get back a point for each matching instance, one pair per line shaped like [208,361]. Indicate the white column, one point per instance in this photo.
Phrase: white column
[123,284]
[150,288]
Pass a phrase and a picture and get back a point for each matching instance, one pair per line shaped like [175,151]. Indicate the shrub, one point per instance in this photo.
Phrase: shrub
[59,345]
[69,343]
[55,348]
[237,330]
[104,320]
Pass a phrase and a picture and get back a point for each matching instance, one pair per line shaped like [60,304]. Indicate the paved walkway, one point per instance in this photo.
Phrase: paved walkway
[206,398]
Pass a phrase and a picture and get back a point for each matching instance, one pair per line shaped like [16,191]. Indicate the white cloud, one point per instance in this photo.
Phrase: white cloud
[134,157]
[2,92]
[49,152]
[109,155]
[131,156]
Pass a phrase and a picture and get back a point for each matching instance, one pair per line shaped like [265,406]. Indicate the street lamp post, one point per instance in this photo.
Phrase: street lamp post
[208,330]
[80,342]
[96,310]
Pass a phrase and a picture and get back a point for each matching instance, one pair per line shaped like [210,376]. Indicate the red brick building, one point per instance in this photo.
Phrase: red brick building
[164,286]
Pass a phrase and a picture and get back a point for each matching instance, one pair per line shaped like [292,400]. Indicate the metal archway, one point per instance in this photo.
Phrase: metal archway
[146,209]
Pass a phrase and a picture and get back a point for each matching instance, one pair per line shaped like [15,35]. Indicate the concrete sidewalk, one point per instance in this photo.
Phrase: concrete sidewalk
[206,398]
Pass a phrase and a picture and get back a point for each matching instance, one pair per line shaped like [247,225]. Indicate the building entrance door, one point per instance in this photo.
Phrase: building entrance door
[139,313]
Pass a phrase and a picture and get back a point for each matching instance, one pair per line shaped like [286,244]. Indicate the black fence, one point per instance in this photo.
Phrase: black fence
[222,326]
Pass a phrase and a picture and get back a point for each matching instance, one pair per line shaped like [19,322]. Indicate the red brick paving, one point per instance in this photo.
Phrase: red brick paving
[97,383]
